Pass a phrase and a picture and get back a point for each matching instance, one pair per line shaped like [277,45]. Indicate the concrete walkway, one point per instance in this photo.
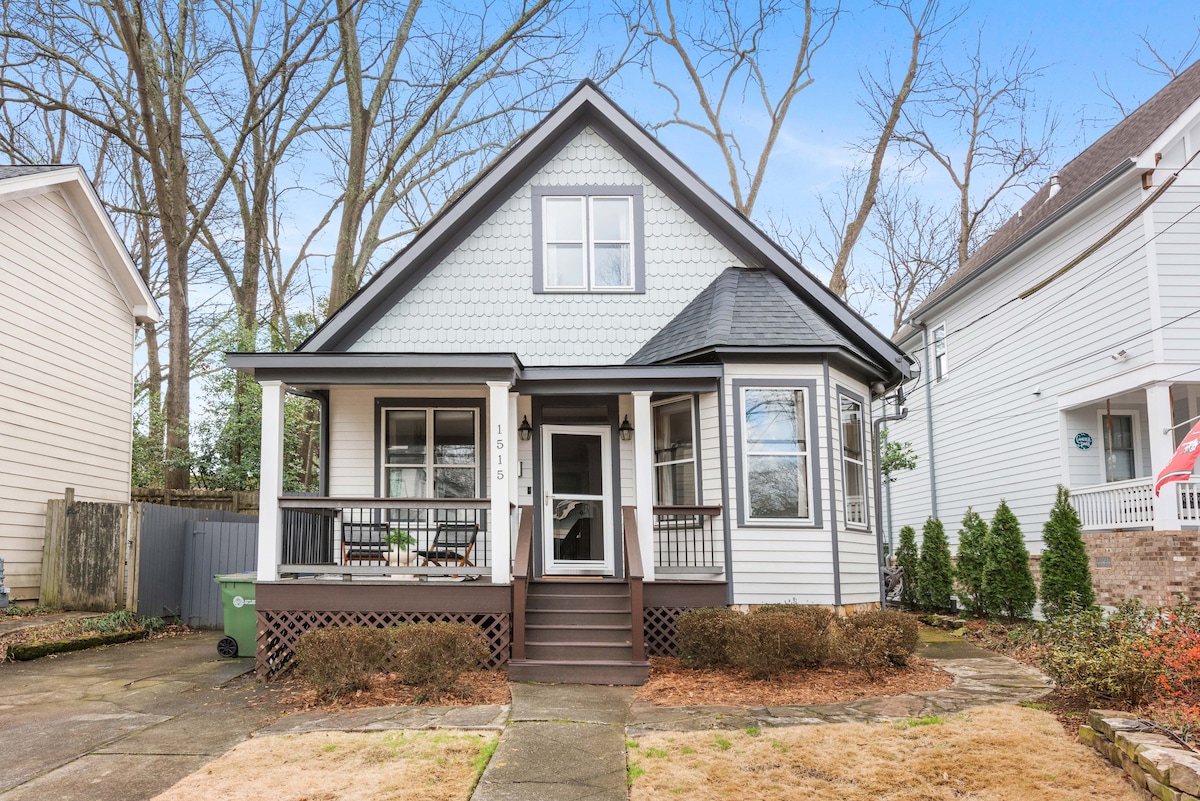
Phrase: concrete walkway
[567,742]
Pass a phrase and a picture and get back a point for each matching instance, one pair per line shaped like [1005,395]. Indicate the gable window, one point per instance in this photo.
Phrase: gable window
[674,454]
[854,465]
[588,239]
[775,454]
[430,453]
[1119,461]
[939,352]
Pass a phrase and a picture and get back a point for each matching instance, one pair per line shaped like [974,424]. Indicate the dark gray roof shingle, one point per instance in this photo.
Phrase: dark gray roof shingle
[742,308]
[20,170]
[1127,140]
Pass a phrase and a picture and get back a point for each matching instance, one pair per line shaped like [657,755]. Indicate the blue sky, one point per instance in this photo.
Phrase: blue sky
[1080,45]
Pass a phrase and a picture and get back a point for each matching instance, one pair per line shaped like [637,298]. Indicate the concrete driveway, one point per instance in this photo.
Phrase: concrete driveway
[123,722]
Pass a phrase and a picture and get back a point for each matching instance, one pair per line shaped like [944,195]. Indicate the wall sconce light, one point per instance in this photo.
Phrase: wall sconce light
[524,431]
[625,430]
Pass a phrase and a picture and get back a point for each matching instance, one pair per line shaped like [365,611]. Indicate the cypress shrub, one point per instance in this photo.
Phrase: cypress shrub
[1007,582]
[937,570]
[908,558]
[973,539]
[1066,576]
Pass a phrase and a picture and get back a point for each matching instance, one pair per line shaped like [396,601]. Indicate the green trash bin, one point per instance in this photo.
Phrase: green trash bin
[241,620]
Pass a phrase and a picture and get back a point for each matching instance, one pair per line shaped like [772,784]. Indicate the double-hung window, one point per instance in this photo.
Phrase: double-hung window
[674,453]
[588,239]
[775,455]
[430,453]
[854,464]
[1119,452]
[939,352]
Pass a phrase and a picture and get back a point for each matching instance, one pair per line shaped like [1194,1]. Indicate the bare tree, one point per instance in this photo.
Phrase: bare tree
[720,45]
[885,101]
[431,95]
[916,245]
[978,126]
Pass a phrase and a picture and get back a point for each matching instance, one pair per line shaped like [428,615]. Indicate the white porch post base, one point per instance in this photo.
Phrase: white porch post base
[503,461]
[643,477]
[1162,448]
[270,482]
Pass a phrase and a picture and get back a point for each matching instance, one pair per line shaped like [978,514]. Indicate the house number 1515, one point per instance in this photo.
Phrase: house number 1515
[499,453]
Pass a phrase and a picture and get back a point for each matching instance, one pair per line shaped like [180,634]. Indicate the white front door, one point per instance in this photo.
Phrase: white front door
[577,524]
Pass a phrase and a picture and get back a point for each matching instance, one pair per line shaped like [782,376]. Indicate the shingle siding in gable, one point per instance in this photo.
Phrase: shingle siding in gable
[480,298]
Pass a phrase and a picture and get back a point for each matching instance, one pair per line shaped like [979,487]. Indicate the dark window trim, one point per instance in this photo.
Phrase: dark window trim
[431,403]
[639,240]
[810,385]
[696,457]
[866,446]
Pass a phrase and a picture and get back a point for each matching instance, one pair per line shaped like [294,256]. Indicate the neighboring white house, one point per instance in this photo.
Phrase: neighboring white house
[70,302]
[1067,350]
[609,381]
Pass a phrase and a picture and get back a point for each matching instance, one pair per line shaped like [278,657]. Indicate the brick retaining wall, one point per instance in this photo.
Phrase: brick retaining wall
[1155,567]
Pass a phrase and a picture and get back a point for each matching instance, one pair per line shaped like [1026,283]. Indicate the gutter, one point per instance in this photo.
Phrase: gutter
[878,426]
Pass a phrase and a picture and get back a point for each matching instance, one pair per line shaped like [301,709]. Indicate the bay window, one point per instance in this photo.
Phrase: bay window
[854,465]
[775,450]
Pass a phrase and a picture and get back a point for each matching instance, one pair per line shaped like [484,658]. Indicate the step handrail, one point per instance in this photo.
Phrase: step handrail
[522,568]
[635,573]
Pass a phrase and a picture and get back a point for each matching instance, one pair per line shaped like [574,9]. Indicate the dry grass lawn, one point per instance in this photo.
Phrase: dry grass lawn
[344,766]
[1004,752]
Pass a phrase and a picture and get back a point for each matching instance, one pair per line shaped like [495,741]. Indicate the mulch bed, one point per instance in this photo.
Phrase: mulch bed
[71,632]
[673,684]
[480,687]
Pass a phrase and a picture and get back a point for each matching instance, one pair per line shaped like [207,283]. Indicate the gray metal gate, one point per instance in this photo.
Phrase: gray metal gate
[180,549]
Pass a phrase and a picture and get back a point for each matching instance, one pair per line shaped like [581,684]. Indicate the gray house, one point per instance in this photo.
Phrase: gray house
[586,397]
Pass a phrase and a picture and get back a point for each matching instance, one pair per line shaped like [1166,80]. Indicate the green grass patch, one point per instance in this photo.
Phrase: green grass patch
[928,720]
[722,744]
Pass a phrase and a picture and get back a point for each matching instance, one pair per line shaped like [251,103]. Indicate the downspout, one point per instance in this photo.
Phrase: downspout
[877,425]
[929,423]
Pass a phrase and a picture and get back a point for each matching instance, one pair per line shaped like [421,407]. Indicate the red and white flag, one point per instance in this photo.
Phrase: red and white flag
[1181,464]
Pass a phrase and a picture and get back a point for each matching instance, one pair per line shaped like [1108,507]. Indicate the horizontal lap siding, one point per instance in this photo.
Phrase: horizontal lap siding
[994,437]
[1177,224]
[779,565]
[352,431]
[66,374]
[858,561]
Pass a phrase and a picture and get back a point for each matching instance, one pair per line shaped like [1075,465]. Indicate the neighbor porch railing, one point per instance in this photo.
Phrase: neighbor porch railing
[385,536]
[1189,501]
[1119,504]
[688,539]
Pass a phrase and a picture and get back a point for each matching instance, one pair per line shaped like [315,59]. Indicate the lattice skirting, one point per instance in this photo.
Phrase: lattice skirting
[659,624]
[279,630]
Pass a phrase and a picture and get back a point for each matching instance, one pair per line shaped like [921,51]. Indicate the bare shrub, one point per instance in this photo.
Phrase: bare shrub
[703,636]
[436,654]
[767,643]
[871,640]
[341,659]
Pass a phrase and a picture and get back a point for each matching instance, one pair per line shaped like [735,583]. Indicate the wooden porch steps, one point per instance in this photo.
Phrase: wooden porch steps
[579,632]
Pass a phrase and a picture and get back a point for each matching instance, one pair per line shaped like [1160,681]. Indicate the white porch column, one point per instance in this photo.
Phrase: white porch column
[1162,448]
[643,477]
[502,458]
[270,481]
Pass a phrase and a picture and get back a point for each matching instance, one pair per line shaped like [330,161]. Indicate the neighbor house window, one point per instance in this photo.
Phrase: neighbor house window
[430,453]
[939,352]
[854,464]
[674,454]
[588,239]
[775,451]
[1118,447]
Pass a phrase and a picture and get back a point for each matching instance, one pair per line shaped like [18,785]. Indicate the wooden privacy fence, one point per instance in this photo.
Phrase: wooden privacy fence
[158,560]
[207,500]
[84,555]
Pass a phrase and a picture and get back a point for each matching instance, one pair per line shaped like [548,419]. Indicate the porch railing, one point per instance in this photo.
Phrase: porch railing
[1120,504]
[385,536]
[688,539]
[1189,501]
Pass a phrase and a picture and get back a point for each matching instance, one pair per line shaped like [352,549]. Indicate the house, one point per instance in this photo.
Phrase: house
[70,303]
[608,385]
[1067,350]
